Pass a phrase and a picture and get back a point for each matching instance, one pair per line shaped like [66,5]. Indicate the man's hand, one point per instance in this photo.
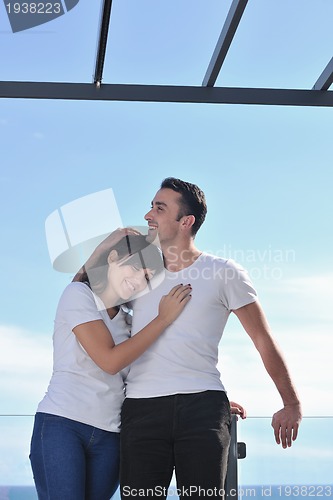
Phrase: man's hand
[109,241]
[285,423]
[237,409]
[113,238]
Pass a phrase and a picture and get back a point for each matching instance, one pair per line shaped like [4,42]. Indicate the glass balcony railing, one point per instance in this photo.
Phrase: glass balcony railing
[304,470]
[16,482]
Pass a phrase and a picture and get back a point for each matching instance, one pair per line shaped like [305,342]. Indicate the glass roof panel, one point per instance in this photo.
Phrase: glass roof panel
[61,50]
[163,42]
[280,45]
[277,44]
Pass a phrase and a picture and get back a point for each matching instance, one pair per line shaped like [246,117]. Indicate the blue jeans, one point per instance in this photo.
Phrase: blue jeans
[73,461]
[188,433]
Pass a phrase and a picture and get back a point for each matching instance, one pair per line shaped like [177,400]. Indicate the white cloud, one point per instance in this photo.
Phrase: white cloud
[26,366]
[38,136]
[308,355]
[306,298]
[318,283]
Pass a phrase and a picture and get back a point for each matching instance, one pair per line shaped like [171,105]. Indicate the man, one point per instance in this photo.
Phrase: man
[176,414]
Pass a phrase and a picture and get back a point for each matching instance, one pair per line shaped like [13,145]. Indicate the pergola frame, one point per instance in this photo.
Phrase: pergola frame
[165,93]
[319,95]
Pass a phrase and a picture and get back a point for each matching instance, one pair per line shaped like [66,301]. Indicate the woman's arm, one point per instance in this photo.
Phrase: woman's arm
[95,337]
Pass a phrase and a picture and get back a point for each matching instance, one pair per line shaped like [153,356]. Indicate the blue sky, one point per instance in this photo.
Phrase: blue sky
[266,172]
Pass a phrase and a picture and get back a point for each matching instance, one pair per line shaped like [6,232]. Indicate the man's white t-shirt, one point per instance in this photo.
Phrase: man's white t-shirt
[184,359]
[79,389]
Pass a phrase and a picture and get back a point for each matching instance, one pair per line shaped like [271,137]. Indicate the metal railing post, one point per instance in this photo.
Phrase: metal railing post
[236,451]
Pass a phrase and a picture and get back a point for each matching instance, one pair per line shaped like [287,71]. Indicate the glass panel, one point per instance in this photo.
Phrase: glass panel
[304,470]
[61,50]
[277,44]
[16,480]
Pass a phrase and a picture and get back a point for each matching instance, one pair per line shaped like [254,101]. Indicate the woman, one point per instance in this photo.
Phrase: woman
[75,442]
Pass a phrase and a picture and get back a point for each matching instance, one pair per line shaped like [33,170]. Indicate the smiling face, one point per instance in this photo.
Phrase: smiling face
[164,216]
[126,277]
[123,270]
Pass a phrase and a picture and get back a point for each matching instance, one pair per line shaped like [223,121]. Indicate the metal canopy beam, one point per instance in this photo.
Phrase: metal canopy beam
[102,42]
[165,93]
[326,78]
[228,31]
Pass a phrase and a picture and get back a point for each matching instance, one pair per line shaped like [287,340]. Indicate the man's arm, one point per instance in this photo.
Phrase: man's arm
[286,421]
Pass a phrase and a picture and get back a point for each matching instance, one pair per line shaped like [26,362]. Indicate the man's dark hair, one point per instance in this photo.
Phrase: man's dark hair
[192,202]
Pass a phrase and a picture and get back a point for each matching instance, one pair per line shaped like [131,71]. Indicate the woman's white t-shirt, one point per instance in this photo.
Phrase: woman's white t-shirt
[79,389]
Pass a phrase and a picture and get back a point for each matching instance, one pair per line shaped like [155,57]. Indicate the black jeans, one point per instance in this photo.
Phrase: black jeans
[186,432]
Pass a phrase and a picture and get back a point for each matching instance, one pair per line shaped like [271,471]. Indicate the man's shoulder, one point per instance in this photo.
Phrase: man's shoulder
[210,258]
[222,261]
[221,267]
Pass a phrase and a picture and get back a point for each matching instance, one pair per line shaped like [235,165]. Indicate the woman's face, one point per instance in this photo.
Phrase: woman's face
[127,280]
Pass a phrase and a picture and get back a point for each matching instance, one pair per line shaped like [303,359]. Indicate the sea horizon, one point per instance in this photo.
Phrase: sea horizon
[258,491]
